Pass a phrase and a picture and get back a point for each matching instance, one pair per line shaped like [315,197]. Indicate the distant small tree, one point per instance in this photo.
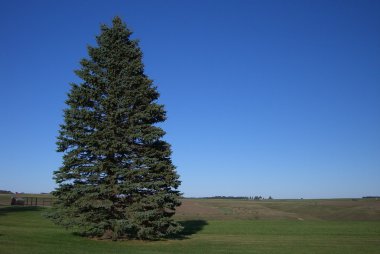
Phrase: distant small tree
[117,178]
[5,192]
[270,198]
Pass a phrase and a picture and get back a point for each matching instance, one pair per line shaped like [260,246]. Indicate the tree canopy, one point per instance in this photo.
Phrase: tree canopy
[117,179]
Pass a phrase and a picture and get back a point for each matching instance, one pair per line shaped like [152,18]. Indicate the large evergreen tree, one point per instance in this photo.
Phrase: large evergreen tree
[117,178]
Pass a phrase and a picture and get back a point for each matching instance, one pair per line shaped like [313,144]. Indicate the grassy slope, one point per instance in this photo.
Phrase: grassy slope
[330,209]
[24,230]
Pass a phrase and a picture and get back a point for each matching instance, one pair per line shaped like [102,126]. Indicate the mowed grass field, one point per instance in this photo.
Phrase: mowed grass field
[218,226]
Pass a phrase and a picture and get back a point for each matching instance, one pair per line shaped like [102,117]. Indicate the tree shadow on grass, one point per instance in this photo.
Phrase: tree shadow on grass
[190,227]
[12,209]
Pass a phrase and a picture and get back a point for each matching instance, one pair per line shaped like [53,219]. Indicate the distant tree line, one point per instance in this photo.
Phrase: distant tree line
[372,197]
[5,192]
[260,198]
[227,197]
[239,197]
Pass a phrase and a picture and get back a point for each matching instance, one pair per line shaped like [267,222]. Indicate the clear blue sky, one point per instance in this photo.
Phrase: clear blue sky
[276,98]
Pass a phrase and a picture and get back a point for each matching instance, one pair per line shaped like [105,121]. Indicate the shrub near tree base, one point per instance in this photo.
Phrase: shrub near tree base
[117,179]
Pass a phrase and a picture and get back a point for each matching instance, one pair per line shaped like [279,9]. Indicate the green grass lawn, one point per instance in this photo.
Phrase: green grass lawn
[25,230]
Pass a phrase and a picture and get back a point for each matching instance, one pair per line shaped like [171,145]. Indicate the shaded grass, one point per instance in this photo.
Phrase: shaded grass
[24,230]
[190,227]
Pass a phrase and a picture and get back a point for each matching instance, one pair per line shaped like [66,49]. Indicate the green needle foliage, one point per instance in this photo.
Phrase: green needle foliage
[117,179]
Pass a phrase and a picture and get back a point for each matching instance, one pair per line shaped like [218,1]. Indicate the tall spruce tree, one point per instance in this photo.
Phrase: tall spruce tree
[117,178]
